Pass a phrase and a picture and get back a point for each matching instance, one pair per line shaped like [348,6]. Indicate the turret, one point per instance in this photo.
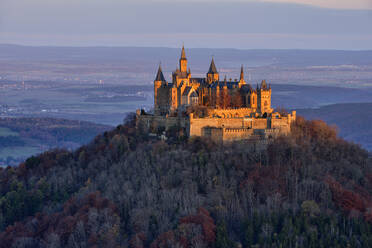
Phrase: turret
[264,85]
[212,74]
[160,75]
[241,81]
[264,98]
[158,82]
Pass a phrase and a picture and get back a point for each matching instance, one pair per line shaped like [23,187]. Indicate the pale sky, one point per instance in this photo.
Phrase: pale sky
[302,24]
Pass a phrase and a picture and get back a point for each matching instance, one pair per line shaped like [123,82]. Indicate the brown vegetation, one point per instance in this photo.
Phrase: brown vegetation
[192,193]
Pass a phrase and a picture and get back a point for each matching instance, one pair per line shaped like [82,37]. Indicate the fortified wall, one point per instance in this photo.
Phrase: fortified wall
[238,128]
[220,129]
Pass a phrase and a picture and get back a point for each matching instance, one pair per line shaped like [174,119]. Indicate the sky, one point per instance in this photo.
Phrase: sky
[245,24]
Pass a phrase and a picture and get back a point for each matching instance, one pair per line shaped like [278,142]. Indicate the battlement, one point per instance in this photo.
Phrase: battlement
[237,130]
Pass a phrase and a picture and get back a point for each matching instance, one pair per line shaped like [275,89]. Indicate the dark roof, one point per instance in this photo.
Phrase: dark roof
[246,88]
[187,91]
[160,76]
[221,84]
[212,68]
[198,80]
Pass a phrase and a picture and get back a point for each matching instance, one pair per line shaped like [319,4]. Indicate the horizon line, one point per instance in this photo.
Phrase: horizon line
[176,47]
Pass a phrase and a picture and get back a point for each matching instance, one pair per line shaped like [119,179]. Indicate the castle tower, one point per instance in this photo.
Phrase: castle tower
[241,81]
[183,60]
[264,98]
[158,82]
[212,74]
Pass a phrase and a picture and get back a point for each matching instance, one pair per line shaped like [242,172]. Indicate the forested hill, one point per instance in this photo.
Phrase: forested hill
[22,137]
[311,189]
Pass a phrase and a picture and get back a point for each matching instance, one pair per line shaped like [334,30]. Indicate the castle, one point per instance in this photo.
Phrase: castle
[219,109]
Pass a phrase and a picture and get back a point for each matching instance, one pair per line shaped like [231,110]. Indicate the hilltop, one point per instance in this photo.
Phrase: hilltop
[126,189]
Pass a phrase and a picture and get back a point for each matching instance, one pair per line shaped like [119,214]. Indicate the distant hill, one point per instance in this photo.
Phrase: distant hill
[352,119]
[23,137]
[198,56]
[301,96]
[126,189]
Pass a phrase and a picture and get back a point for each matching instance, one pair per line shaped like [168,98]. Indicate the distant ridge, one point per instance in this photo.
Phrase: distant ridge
[249,57]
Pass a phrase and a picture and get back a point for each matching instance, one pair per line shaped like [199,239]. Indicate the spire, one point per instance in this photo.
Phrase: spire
[241,73]
[212,68]
[160,76]
[183,61]
[183,54]
[263,85]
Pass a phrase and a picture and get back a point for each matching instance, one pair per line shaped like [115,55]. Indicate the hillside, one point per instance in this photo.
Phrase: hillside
[124,189]
[352,119]
[24,137]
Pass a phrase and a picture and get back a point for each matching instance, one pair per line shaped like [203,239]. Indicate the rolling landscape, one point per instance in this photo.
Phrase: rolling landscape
[103,84]
[186,124]
[21,138]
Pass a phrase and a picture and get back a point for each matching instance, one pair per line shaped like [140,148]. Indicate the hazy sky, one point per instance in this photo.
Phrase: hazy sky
[318,24]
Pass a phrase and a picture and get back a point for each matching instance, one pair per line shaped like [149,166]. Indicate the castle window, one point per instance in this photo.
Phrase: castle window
[265,104]
[194,98]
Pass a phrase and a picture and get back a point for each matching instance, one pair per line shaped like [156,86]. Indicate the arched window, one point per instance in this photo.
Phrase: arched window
[265,104]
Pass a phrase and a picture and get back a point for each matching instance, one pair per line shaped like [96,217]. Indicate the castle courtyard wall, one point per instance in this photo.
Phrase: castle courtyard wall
[220,129]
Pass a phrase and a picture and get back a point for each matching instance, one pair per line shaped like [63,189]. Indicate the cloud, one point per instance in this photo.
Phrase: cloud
[330,4]
[334,4]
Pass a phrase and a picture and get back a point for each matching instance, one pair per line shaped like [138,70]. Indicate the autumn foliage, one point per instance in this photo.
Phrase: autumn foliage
[307,189]
[93,217]
[350,201]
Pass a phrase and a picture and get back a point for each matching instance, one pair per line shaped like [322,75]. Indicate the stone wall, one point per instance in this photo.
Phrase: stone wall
[197,124]
[151,123]
[226,129]
[231,134]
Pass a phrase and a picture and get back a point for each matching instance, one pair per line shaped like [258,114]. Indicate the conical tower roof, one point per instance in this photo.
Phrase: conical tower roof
[159,75]
[212,68]
[241,73]
[183,53]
